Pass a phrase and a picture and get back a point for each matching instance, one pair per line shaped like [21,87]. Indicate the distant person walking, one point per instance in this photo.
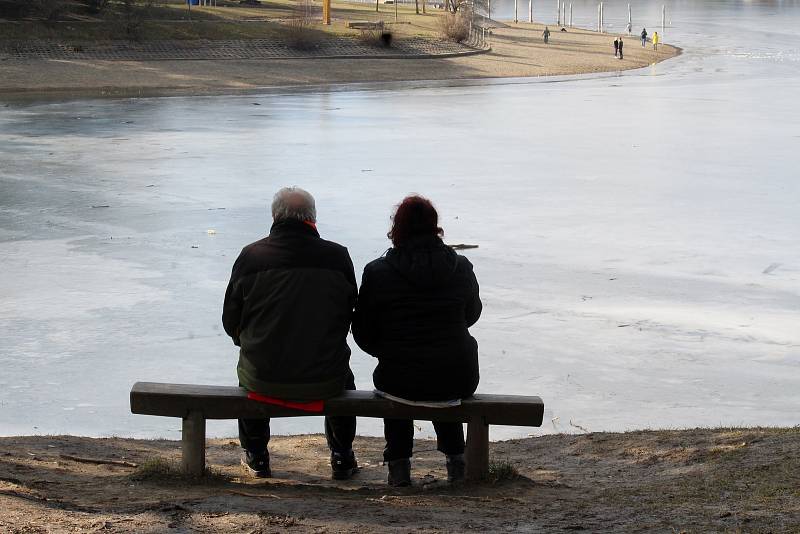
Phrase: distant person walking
[546,34]
[620,47]
[644,37]
[616,47]
[655,41]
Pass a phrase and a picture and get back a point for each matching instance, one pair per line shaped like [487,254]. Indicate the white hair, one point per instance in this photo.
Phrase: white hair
[293,203]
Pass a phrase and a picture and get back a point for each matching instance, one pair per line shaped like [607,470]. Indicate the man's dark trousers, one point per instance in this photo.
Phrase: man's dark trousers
[339,431]
[399,434]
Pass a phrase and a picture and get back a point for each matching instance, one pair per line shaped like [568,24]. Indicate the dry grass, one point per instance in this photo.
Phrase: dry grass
[501,471]
[162,471]
[171,20]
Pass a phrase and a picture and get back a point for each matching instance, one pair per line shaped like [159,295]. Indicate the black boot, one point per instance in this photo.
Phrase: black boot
[257,464]
[455,468]
[343,465]
[400,473]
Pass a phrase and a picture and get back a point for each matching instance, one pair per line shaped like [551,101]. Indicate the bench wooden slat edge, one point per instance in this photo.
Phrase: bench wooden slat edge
[230,402]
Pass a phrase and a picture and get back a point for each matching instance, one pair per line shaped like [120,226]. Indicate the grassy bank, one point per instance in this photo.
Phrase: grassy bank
[173,20]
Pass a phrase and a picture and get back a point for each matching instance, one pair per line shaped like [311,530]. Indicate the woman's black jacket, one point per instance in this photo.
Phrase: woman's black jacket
[414,307]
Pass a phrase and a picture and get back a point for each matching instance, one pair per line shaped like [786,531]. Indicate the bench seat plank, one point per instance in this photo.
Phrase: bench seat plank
[228,402]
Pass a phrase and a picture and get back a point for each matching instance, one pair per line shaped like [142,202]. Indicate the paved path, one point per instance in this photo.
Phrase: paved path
[349,47]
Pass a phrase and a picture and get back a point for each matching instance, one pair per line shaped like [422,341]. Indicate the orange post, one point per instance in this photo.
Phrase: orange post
[326,12]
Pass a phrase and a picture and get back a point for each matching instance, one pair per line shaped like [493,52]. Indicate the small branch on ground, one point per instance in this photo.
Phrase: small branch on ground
[102,461]
[253,495]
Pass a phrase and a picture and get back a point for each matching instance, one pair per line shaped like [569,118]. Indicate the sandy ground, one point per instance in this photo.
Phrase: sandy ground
[517,51]
[719,480]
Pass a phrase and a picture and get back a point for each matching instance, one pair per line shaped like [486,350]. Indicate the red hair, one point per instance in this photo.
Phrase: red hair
[415,216]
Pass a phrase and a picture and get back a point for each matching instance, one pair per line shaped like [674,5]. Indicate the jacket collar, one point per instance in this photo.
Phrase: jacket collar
[290,226]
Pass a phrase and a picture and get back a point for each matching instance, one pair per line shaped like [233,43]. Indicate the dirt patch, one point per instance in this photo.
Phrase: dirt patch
[721,480]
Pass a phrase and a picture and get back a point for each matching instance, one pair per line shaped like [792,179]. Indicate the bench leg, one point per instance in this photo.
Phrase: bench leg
[193,443]
[477,450]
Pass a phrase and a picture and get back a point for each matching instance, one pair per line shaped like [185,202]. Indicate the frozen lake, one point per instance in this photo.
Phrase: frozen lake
[638,235]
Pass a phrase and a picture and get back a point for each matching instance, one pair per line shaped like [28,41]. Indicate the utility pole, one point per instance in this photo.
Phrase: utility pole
[558,12]
[598,18]
[663,18]
[630,20]
[570,14]
[530,11]
[516,19]
[602,16]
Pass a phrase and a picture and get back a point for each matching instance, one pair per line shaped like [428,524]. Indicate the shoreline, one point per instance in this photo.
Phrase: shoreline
[68,94]
[724,479]
[516,53]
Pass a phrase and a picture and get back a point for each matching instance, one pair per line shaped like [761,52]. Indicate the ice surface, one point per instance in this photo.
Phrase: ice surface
[638,234]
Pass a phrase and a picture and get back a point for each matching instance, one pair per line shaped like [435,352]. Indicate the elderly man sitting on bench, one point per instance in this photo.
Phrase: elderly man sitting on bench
[288,307]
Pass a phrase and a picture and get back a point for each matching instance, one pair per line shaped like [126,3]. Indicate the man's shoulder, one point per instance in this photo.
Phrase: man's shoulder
[333,246]
[334,253]
[255,245]
[254,249]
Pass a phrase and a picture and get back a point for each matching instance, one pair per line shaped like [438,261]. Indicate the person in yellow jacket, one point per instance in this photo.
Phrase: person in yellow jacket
[655,41]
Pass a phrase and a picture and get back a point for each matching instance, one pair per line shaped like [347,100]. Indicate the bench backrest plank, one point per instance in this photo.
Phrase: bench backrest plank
[227,402]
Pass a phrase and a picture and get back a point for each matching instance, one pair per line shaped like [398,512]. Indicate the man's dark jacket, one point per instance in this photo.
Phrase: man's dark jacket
[288,306]
[414,307]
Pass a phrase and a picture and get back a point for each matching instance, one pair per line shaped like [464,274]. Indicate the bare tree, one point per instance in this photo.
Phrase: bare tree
[471,6]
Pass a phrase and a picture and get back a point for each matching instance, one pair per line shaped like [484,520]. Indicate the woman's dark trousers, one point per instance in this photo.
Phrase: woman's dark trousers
[399,435]
[339,431]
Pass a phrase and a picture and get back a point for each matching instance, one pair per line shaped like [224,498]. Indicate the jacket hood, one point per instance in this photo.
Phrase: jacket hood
[426,262]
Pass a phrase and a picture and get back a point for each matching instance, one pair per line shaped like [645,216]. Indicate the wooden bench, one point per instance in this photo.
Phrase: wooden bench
[194,404]
[365,25]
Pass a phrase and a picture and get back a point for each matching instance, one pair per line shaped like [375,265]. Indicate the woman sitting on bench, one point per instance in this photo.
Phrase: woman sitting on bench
[414,307]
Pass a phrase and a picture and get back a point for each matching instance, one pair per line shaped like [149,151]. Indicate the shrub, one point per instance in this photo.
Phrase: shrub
[380,38]
[156,468]
[502,470]
[49,10]
[96,6]
[14,9]
[302,35]
[454,26]
[132,20]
